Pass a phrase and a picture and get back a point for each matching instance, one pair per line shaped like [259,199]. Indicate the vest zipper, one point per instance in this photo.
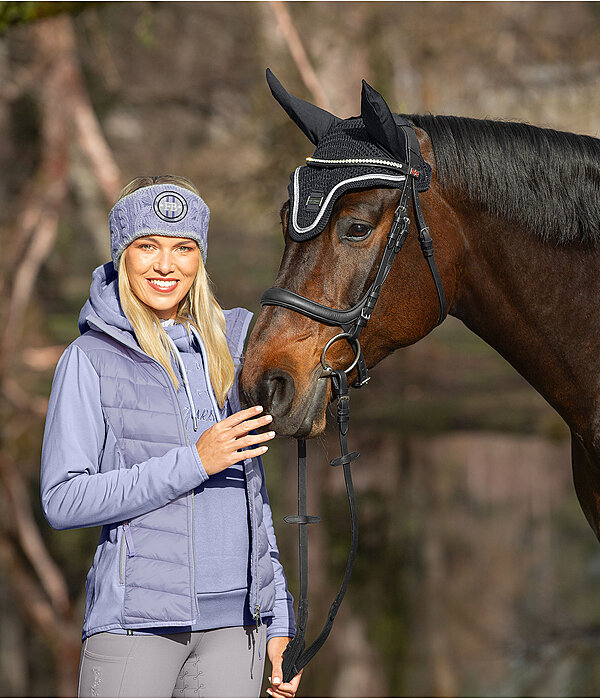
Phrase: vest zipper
[254,544]
[192,493]
[259,625]
[122,560]
[194,551]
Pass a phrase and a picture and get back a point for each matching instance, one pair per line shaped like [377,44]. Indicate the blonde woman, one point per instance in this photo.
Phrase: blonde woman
[145,437]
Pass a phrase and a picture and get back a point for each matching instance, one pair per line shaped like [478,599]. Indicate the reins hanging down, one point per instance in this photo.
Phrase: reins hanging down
[295,656]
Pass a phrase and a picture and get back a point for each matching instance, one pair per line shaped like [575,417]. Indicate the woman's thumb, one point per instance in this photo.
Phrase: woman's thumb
[277,674]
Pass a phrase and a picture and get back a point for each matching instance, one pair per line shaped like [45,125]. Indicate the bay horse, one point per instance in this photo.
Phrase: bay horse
[514,212]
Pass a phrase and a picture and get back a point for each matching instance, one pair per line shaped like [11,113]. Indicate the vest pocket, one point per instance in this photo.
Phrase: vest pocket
[126,542]
[128,539]
[122,559]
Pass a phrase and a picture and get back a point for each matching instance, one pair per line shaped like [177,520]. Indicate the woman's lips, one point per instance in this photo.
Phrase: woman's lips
[162,286]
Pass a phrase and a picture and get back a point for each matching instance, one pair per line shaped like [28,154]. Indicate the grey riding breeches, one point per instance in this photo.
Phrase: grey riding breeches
[225,662]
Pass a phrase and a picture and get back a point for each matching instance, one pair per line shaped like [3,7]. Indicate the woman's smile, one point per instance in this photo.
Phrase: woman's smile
[161,270]
[164,286]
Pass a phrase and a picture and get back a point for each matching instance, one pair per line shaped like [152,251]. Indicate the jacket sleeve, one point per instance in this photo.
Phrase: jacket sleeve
[283,622]
[74,492]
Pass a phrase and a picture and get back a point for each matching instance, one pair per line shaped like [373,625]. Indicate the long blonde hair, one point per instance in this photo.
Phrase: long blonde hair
[199,308]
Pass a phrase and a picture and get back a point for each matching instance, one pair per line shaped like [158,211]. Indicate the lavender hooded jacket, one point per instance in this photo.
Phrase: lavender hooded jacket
[116,454]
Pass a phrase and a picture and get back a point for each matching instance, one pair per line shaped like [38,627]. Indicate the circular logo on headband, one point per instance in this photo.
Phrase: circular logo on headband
[170,206]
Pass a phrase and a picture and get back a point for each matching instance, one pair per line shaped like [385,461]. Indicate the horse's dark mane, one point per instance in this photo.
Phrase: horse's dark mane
[546,180]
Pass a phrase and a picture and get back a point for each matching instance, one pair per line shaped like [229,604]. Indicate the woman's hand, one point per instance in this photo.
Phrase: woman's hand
[218,446]
[278,689]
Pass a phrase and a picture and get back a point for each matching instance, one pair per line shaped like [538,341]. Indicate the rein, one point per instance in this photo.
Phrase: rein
[351,321]
[295,657]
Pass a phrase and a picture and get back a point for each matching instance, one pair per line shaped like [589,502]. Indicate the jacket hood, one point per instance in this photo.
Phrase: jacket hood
[103,302]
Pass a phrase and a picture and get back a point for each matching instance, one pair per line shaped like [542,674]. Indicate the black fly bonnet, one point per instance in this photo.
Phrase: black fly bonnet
[377,149]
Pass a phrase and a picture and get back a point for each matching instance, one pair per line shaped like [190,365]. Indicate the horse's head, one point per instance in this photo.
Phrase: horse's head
[336,222]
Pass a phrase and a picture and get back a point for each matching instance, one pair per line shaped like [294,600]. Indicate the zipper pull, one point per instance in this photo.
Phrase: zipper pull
[257,617]
[259,623]
[128,539]
[262,630]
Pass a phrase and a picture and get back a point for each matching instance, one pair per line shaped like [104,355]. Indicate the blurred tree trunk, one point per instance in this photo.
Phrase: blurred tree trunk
[298,53]
[65,118]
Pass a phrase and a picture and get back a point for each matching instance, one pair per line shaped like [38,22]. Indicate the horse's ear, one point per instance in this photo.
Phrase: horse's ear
[379,121]
[314,121]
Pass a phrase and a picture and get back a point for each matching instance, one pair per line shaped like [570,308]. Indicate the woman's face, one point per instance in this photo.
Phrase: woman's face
[161,271]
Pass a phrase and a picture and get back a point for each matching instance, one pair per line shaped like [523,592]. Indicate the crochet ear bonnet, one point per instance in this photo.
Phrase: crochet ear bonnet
[159,210]
[377,149]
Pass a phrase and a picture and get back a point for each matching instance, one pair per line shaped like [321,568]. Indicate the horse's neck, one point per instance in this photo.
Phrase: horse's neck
[537,305]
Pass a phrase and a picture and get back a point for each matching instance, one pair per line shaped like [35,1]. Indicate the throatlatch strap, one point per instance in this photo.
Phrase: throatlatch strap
[295,657]
[427,247]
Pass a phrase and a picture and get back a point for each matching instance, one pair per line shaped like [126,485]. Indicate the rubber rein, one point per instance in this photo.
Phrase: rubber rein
[352,321]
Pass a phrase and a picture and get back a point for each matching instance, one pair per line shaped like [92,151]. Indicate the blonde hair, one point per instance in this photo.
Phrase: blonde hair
[198,308]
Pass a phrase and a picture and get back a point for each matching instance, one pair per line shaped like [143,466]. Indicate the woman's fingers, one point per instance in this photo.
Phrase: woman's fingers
[240,416]
[225,443]
[285,690]
[253,439]
[282,691]
[248,454]
[248,425]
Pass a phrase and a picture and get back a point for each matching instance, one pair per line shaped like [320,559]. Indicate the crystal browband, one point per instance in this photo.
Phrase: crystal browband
[356,161]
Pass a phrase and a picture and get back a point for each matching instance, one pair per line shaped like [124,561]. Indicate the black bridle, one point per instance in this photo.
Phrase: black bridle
[351,321]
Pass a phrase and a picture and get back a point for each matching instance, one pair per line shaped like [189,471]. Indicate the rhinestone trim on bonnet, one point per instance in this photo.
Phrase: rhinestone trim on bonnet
[355,161]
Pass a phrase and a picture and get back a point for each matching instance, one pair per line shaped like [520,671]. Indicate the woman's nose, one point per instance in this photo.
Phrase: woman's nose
[164,263]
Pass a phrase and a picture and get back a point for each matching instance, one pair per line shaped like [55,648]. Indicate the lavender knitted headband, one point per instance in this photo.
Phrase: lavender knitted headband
[159,210]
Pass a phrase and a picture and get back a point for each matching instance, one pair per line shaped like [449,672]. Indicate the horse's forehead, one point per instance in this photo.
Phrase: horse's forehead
[371,198]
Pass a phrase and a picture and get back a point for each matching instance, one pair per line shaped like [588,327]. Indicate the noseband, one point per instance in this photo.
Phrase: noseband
[351,321]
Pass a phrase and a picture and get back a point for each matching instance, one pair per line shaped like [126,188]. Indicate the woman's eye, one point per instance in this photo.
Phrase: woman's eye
[359,231]
[184,248]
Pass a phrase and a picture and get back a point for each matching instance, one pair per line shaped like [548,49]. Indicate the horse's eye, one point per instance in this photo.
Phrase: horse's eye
[358,231]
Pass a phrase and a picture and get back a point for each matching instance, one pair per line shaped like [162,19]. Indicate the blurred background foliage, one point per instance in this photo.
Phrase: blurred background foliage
[477,574]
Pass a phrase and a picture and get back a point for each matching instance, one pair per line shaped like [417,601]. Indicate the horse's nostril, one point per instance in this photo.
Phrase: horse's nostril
[277,391]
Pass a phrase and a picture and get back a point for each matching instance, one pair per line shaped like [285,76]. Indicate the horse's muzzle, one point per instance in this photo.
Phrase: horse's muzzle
[293,415]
